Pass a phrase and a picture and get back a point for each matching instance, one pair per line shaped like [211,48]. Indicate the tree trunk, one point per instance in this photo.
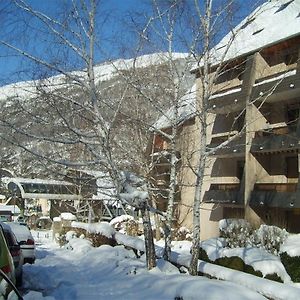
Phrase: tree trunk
[149,244]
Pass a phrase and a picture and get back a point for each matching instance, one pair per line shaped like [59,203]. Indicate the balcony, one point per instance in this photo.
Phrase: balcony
[275,143]
[222,197]
[277,87]
[235,148]
[280,86]
[224,194]
[227,101]
[283,195]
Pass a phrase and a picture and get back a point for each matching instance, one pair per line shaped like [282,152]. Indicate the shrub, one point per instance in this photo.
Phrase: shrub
[274,277]
[61,236]
[233,262]
[181,234]
[203,255]
[236,263]
[291,265]
[240,233]
[99,240]
[236,232]
[132,228]
[269,238]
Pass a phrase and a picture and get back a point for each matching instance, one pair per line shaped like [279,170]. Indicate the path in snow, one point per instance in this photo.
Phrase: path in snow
[88,273]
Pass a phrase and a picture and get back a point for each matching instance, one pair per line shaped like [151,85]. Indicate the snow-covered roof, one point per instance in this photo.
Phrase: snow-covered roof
[270,23]
[42,188]
[186,110]
[13,208]
[34,181]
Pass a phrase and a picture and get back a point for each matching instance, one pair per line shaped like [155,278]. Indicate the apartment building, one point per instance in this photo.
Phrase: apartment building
[254,104]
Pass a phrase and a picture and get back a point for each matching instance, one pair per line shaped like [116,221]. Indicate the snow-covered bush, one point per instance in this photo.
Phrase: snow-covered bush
[126,224]
[98,233]
[62,236]
[182,234]
[118,222]
[240,233]
[269,238]
[98,240]
[237,232]
[291,264]
[70,235]
[132,228]
[290,256]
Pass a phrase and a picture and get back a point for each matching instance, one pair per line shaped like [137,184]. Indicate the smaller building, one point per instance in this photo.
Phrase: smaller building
[9,213]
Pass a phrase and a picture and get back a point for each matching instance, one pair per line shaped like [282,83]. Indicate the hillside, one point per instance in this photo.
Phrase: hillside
[48,116]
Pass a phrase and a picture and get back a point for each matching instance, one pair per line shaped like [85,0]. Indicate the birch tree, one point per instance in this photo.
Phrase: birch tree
[158,31]
[67,112]
[204,24]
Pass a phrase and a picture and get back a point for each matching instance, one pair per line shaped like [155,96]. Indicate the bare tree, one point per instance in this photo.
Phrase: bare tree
[159,31]
[67,118]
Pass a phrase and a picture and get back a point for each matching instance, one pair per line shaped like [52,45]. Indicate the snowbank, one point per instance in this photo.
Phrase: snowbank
[291,245]
[268,288]
[68,216]
[111,273]
[102,228]
[259,259]
[120,219]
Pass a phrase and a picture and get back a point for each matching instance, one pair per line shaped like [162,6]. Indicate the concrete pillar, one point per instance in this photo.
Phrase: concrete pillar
[252,121]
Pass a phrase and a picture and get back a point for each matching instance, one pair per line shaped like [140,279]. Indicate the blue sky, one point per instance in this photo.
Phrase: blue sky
[116,38]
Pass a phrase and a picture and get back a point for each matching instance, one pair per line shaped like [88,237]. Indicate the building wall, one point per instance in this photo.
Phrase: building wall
[253,102]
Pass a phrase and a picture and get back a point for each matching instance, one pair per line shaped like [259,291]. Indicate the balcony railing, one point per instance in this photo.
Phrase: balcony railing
[271,87]
[275,143]
[227,101]
[223,197]
[274,86]
[234,148]
[282,195]
[275,199]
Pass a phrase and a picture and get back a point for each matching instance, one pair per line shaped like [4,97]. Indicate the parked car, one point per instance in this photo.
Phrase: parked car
[15,251]
[8,290]
[6,266]
[25,240]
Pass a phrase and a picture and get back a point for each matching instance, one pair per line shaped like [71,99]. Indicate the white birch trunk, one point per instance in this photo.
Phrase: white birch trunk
[202,115]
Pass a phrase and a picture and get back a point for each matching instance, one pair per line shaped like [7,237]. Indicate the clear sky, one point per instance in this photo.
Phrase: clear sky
[115,19]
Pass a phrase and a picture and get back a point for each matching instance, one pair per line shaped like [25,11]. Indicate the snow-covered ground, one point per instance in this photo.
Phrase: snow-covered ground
[107,272]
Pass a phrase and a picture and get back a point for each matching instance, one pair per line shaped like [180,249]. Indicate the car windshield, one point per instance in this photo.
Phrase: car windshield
[21,232]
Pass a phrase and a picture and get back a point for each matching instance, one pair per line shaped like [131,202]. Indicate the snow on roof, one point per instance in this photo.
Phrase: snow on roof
[270,23]
[35,180]
[13,208]
[186,110]
[103,72]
